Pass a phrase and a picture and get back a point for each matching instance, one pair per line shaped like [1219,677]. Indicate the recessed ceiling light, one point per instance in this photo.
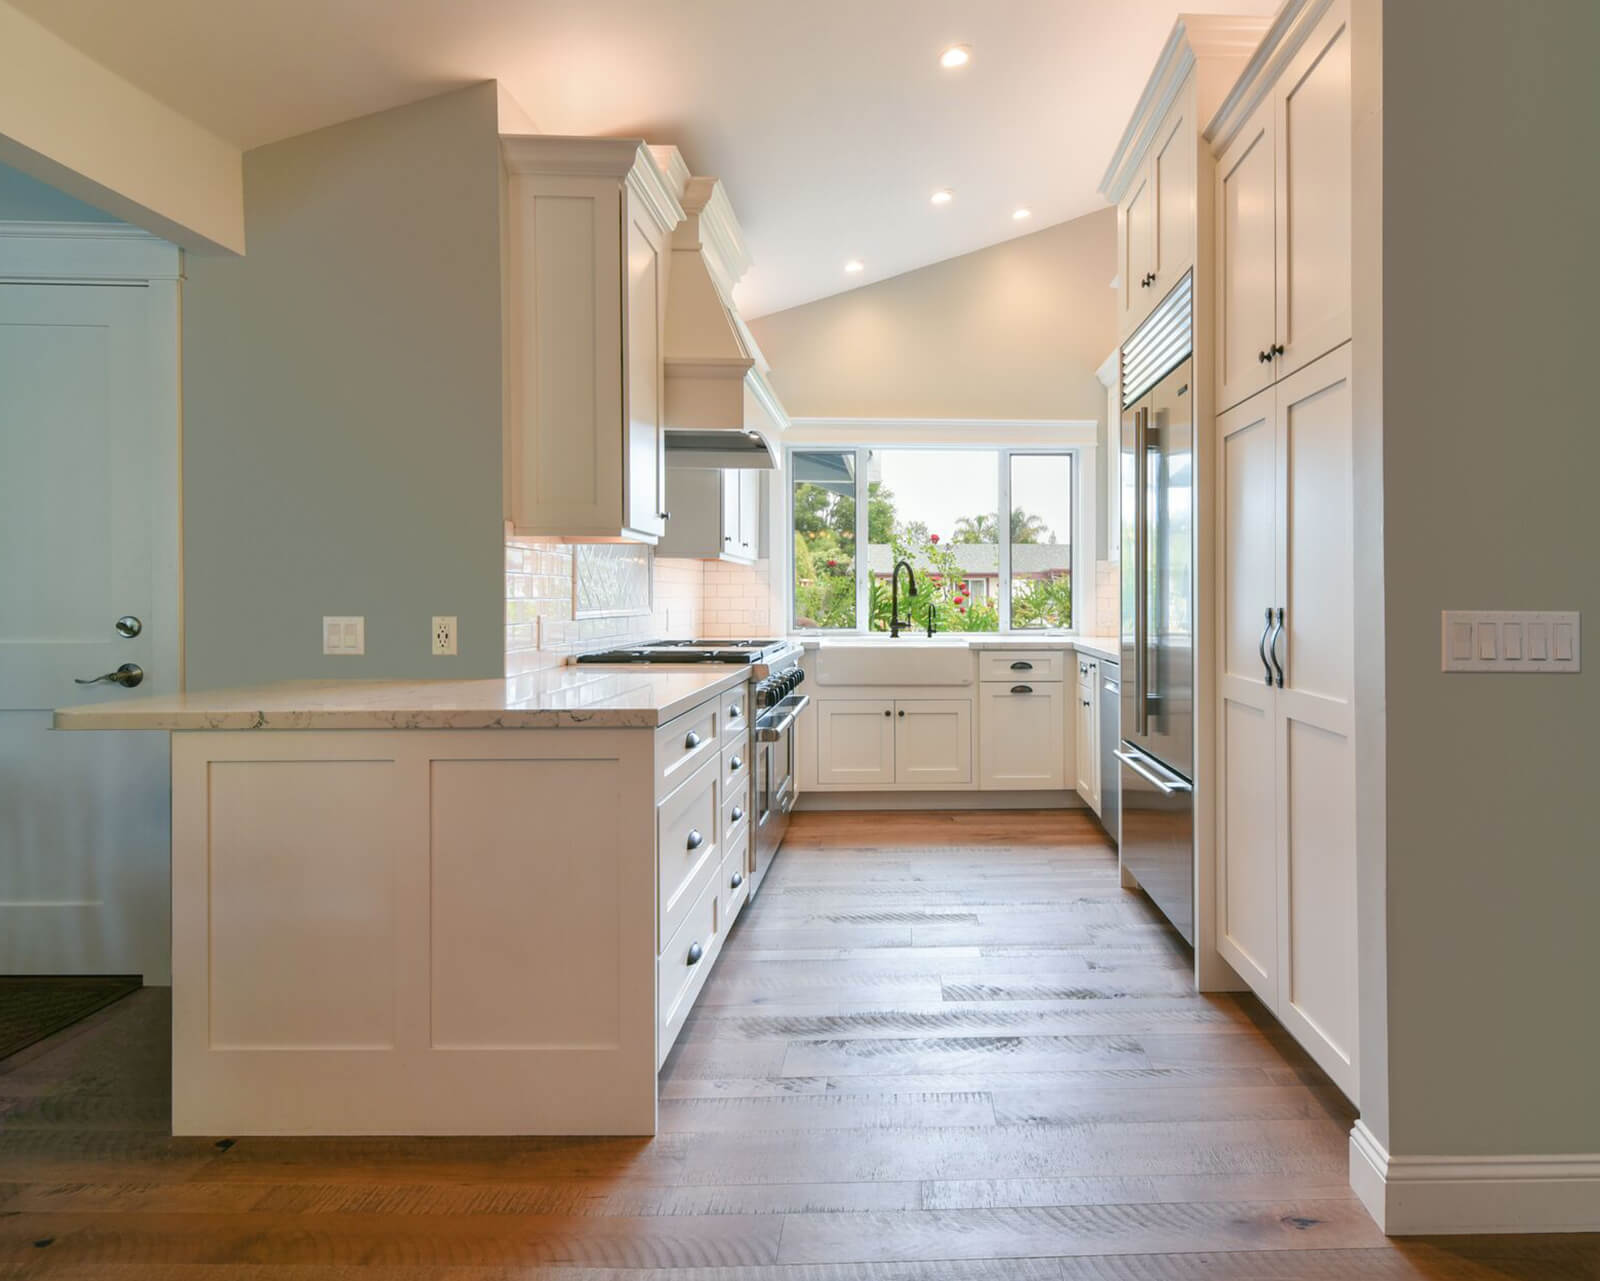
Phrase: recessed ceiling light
[943,196]
[957,55]
[854,266]
[1021,215]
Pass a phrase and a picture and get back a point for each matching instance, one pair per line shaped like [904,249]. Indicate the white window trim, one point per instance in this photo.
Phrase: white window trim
[1076,438]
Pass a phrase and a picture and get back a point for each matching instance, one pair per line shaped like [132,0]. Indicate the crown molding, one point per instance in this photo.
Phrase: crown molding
[766,397]
[85,251]
[547,153]
[1194,37]
[674,168]
[1289,29]
[1414,1195]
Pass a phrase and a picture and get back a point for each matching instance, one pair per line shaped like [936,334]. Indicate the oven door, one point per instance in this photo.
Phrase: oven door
[774,734]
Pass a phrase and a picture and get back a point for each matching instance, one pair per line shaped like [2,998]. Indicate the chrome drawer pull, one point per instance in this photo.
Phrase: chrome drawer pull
[692,740]
[695,953]
[695,839]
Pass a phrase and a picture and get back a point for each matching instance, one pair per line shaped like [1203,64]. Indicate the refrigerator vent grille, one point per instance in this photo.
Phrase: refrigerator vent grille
[1162,343]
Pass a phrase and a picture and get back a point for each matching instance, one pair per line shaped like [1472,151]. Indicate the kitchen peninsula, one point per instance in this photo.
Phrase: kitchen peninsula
[444,907]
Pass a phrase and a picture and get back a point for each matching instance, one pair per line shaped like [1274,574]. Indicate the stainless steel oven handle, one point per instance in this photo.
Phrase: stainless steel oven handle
[1138,767]
[775,733]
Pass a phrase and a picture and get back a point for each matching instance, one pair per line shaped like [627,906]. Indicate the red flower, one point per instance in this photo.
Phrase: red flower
[833,564]
[961,609]
[937,578]
[933,538]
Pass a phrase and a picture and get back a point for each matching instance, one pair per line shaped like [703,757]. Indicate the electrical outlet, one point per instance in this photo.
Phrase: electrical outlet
[444,635]
[344,634]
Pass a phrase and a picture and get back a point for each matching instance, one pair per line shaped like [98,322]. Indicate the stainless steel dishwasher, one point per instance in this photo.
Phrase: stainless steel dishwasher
[1110,737]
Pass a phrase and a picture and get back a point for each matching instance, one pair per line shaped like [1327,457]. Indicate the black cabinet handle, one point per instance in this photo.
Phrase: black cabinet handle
[1022,689]
[695,953]
[1020,666]
[737,881]
[737,813]
[1276,349]
[1263,356]
[886,711]
[691,740]
[695,839]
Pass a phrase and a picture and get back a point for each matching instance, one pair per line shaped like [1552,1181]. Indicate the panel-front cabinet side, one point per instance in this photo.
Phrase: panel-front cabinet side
[564,416]
[414,932]
[645,459]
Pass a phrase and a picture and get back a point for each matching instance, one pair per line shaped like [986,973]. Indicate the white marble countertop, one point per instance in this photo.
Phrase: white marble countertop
[591,697]
[1100,646]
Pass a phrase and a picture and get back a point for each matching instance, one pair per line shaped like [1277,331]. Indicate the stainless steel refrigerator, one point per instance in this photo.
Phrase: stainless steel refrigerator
[1156,755]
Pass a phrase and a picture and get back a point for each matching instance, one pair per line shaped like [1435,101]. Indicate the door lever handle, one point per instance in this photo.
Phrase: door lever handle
[128,675]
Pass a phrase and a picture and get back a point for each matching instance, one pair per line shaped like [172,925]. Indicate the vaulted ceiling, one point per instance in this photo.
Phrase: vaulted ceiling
[830,121]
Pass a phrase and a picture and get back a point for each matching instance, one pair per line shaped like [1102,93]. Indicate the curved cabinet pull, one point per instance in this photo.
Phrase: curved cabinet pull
[691,741]
[1021,666]
[128,675]
[733,712]
[736,763]
[1272,644]
[1261,646]
[1022,689]
[737,881]
[695,953]
[695,839]
[738,814]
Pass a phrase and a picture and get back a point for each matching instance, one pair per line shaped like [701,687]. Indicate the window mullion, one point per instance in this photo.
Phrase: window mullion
[1002,533]
[863,569]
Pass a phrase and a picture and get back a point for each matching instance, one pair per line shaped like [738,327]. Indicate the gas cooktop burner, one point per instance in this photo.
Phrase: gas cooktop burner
[689,651]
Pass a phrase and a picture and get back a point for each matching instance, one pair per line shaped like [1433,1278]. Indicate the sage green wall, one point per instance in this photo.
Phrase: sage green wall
[1491,457]
[342,404]
[25,199]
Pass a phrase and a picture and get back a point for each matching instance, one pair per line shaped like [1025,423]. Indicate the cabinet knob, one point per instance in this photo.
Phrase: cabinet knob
[1263,356]
[902,713]
[1276,349]
[737,881]
[691,740]
[886,711]
[695,953]
[665,515]
[695,839]
[1022,689]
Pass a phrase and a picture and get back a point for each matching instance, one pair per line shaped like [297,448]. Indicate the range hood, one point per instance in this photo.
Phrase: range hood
[720,408]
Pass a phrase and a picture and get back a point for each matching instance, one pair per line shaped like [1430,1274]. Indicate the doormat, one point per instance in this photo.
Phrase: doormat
[31,1008]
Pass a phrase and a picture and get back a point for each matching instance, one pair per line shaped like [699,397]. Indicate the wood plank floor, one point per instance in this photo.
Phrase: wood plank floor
[936,1046]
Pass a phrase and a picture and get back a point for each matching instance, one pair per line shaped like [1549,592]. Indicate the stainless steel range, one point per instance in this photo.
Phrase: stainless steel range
[775,675]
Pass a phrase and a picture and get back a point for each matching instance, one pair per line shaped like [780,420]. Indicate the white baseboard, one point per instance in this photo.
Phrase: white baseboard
[1425,1195]
[898,800]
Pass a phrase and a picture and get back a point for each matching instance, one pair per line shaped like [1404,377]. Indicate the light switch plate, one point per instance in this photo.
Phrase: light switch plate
[444,635]
[1536,642]
[344,634]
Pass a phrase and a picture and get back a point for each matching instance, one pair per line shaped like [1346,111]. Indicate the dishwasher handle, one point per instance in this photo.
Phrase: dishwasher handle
[1164,786]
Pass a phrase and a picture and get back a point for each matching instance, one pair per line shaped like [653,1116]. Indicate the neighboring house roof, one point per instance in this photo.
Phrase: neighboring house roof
[978,559]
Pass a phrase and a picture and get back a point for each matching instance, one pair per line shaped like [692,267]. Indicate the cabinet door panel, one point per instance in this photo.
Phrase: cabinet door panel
[645,482]
[1021,736]
[1245,260]
[1136,225]
[855,742]
[1173,166]
[1313,195]
[932,741]
[730,513]
[749,513]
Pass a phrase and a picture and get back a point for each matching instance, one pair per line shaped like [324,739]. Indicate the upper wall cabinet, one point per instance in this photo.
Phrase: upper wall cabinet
[716,514]
[1283,212]
[588,222]
[1159,168]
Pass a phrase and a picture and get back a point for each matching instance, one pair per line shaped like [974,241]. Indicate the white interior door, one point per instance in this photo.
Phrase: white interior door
[89,526]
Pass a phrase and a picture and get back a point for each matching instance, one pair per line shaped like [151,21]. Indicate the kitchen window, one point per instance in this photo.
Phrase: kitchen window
[855,513]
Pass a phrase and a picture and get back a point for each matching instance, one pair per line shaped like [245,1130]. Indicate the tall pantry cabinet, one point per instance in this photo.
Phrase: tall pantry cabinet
[1284,513]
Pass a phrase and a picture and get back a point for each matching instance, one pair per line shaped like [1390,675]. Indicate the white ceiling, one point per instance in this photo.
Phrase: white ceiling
[829,121]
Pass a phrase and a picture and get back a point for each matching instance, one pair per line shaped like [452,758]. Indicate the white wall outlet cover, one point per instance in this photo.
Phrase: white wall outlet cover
[444,635]
[1531,642]
[344,634]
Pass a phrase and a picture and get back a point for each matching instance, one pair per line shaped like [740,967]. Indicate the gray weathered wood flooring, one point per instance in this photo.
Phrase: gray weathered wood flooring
[936,1046]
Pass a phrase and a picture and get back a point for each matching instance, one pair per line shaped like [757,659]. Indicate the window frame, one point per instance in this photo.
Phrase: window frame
[1004,455]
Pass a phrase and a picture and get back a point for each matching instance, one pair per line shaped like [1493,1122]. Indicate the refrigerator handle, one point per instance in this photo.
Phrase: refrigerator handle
[1141,585]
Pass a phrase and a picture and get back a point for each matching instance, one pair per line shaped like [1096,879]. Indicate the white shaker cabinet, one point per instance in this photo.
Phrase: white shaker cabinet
[932,741]
[716,514]
[1156,215]
[587,227]
[1283,219]
[855,742]
[1086,719]
[1285,751]
[1022,727]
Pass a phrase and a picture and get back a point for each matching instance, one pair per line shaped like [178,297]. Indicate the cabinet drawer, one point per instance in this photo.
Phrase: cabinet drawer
[735,879]
[1021,664]
[684,741]
[736,711]
[685,961]
[1088,673]
[735,813]
[736,765]
[687,843]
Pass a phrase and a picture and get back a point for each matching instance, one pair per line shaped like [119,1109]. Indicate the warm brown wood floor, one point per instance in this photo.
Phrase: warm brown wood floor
[942,1046]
